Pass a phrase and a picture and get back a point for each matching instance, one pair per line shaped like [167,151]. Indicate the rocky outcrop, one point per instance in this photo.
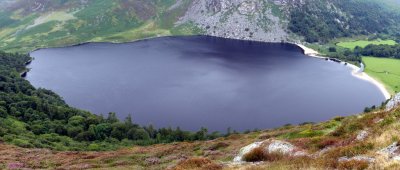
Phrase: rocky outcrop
[394,102]
[243,151]
[391,152]
[237,19]
[271,146]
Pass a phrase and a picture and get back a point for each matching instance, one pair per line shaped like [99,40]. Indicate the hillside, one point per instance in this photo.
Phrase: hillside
[368,140]
[26,25]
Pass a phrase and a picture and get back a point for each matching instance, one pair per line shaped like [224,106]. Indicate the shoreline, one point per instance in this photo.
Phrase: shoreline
[356,71]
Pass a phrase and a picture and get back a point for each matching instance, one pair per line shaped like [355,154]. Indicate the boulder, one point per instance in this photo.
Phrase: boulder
[271,146]
[393,103]
[243,151]
[362,135]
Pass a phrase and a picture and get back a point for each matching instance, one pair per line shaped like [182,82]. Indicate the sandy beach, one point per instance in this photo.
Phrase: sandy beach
[356,71]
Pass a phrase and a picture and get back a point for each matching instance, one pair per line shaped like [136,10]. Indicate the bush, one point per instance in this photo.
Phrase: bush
[353,164]
[259,154]
[255,155]
[197,163]
[332,49]
[94,147]
[22,143]
[218,145]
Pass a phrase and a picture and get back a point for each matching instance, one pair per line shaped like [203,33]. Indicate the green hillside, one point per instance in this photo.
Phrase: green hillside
[60,23]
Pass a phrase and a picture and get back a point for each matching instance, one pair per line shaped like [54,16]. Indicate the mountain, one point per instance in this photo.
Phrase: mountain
[48,23]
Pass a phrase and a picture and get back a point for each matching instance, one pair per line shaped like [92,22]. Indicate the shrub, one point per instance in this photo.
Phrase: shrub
[218,145]
[327,142]
[259,154]
[197,163]
[339,118]
[255,155]
[22,143]
[353,164]
[94,147]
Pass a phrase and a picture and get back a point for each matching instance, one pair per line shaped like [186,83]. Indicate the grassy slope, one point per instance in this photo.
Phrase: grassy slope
[99,21]
[338,134]
[385,70]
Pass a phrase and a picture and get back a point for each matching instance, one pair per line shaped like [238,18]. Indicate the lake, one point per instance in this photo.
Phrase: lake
[200,81]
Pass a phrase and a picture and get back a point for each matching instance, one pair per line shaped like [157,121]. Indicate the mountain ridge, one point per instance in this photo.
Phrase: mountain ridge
[44,23]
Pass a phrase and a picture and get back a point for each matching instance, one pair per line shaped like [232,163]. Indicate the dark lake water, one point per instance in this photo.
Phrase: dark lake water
[198,81]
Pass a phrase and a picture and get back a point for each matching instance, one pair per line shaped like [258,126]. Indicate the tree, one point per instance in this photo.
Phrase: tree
[332,49]
[112,118]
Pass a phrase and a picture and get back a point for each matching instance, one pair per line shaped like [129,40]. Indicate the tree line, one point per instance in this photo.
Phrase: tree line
[387,51]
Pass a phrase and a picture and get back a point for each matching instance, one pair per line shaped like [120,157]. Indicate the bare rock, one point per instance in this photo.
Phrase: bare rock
[357,158]
[392,151]
[247,8]
[393,103]
[362,135]
[281,146]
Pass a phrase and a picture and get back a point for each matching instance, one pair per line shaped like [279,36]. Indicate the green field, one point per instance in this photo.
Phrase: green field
[364,43]
[386,70]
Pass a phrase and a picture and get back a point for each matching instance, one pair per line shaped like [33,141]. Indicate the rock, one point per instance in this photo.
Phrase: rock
[357,158]
[247,8]
[392,151]
[393,103]
[237,19]
[362,135]
[271,146]
[243,151]
[281,146]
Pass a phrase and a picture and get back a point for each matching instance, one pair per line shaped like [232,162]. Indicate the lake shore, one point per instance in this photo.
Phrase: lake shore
[356,71]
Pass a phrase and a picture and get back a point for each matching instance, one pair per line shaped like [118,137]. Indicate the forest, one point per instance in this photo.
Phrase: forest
[316,22]
[39,118]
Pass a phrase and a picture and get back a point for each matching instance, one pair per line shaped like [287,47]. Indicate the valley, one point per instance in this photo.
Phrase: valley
[107,76]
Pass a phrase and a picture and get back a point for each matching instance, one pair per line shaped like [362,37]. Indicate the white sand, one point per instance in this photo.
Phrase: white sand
[364,76]
[357,72]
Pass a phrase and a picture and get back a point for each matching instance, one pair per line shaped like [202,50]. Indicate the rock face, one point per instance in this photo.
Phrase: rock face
[238,19]
[394,102]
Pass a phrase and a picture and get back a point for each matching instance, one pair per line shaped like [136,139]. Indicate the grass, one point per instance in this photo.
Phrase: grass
[386,70]
[363,43]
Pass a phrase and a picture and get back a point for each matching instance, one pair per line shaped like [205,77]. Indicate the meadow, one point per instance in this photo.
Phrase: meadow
[385,70]
[364,43]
